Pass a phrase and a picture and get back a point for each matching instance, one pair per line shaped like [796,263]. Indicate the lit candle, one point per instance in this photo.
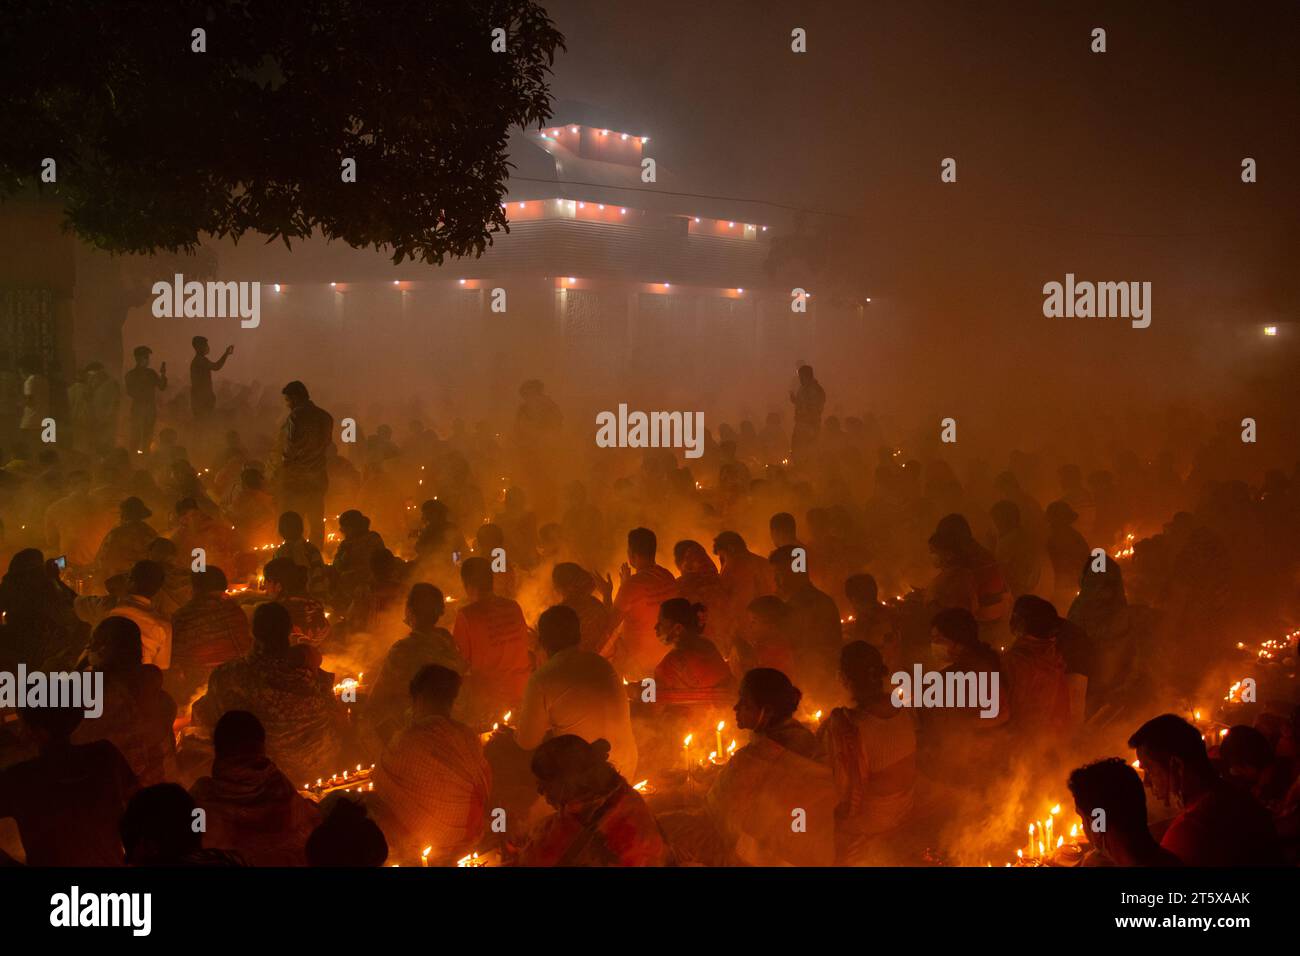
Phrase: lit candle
[721,726]
[686,751]
[1031,841]
[424,857]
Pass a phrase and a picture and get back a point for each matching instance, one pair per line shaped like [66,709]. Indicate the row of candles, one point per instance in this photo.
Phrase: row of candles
[717,756]
[358,779]
[1044,841]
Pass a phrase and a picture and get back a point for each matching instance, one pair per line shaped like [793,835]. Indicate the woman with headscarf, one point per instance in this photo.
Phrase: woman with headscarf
[693,675]
[1115,629]
[599,820]
[700,583]
[871,746]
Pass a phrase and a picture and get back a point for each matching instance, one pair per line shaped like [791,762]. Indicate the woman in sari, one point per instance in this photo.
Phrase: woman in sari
[692,678]
[599,820]
[871,747]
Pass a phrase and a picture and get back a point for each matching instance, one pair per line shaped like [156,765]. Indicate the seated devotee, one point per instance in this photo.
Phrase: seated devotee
[1046,670]
[252,510]
[346,836]
[127,543]
[493,639]
[432,783]
[175,590]
[376,602]
[814,620]
[871,747]
[351,567]
[490,543]
[294,702]
[871,621]
[766,640]
[143,584]
[1022,557]
[209,630]
[692,675]
[599,820]
[968,575]
[67,799]
[286,583]
[754,800]
[1118,836]
[575,692]
[962,739]
[250,806]
[158,829]
[1067,552]
[1217,824]
[38,620]
[643,586]
[437,539]
[427,643]
[196,528]
[1249,762]
[700,583]
[575,587]
[744,577]
[302,552]
[137,713]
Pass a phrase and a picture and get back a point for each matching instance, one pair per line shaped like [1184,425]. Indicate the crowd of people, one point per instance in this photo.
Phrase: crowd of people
[623,657]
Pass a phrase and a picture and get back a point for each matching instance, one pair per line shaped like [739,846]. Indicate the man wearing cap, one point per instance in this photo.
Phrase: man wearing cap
[142,386]
[128,543]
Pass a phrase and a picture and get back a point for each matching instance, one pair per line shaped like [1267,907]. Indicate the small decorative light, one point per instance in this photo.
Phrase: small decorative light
[731,225]
[573,129]
[582,205]
[333,284]
[462,281]
[523,205]
[397,282]
[697,218]
[601,206]
[1268,329]
[277,287]
[645,139]
[765,228]
[622,212]
[571,280]
[625,135]
[868,298]
[604,132]
[740,290]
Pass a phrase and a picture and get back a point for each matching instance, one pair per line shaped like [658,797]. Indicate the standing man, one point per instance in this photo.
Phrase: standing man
[307,435]
[203,400]
[142,386]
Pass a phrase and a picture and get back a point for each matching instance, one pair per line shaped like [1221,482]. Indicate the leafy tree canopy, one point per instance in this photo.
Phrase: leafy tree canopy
[157,145]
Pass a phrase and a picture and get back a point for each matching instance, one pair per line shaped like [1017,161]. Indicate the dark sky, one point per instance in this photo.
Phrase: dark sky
[1125,164]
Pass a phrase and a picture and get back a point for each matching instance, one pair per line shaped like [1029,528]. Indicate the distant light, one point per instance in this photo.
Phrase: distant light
[601,206]
[622,212]
[604,132]
[397,282]
[668,285]
[555,132]
[573,129]
[765,228]
[462,281]
[277,287]
[645,139]
[740,290]
[731,225]
[625,135]
[1270,330]
[868,298]
[333,284]
[582,205]
[571,280]
[523,205]
[697,218]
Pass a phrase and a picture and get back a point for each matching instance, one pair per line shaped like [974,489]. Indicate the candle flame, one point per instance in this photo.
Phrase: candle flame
[687,741]
[640,784]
